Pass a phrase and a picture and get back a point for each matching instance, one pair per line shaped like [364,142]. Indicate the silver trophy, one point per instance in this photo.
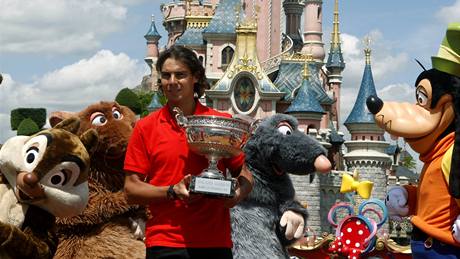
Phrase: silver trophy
[215,138]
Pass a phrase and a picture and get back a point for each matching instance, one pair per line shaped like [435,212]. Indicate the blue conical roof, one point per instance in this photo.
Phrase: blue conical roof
[290,77]
[359,113]
[153,32]
[155,104]
[224,19]
[335,58]
[305,101]
[191,37]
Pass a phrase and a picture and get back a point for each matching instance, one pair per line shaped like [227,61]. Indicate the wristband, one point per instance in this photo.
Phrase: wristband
[170,193]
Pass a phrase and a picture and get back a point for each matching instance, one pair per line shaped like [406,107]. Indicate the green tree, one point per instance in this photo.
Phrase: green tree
[130,99]
[27,127]
[408,162]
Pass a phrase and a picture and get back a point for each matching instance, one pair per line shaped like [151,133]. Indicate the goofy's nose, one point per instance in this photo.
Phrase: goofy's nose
[374,104]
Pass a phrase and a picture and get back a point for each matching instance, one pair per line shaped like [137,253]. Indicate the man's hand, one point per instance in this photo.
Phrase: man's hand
[231,202]
[456,229]
[396,202]
[294,224]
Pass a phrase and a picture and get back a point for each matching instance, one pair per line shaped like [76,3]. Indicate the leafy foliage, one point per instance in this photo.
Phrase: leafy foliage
[130,99]
[27,127]
[37,115]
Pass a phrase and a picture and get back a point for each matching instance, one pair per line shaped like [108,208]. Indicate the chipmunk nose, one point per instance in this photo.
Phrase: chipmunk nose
[374,104]
[30,179]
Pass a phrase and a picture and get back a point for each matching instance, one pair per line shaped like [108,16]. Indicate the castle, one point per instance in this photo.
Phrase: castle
[259,63]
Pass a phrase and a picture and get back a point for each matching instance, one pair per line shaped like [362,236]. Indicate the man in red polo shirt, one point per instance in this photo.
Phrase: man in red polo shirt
[182,225]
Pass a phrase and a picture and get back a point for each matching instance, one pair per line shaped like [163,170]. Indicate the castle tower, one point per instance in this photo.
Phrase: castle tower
[366,149]
[245,88]
[308,111]
[305,107]
[174,20]
[220,36]
[293,10]
[313,30]
[335,65]
[152,37]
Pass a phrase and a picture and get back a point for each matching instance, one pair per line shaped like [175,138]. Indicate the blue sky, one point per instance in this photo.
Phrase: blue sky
[66,54]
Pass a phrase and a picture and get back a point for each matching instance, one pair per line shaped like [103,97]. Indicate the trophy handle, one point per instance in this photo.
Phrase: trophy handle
[180,118]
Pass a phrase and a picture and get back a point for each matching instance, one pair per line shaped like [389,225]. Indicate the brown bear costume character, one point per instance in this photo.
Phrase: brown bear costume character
[104,229]
[42,177]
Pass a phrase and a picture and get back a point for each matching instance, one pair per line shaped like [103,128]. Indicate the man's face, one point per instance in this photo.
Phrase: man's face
[177,82]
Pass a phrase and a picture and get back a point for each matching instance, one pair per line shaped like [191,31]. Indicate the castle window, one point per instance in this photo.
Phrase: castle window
[227,54]
[372,138]
[201,59]
[244,94]
[364,138]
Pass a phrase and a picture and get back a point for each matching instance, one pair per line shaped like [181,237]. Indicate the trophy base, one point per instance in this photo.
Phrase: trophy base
[213,187]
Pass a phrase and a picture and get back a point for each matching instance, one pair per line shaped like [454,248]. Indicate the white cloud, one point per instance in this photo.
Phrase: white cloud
[397,93]
[72,87]
[57,26]
[450,13]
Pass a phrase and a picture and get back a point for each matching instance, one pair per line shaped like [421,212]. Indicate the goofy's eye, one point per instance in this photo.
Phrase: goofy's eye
[422,98]
[99,120]
[117,114]
[285,130]
[31,154]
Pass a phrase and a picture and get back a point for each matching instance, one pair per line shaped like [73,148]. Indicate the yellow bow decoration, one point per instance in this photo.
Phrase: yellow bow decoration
[351,184]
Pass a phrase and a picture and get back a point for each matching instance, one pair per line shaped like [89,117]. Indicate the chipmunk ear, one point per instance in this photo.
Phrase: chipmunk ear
[71,125]
[90,139]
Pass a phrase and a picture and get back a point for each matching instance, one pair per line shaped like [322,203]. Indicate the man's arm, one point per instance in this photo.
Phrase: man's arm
[244,187]
[139,192]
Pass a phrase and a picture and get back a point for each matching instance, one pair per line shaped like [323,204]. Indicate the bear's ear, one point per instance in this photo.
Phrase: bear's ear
[90,140]
[71,125]
[59,116]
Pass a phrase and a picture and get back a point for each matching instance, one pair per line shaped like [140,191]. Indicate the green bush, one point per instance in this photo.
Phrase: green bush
[27,127]
[128,98]
[37,115]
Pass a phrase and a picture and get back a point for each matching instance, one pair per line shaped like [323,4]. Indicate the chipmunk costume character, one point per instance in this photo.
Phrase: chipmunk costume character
[103,230]
[42,176]
[432,128]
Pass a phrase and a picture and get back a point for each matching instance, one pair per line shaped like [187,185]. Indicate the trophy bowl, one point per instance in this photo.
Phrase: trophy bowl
[215,138]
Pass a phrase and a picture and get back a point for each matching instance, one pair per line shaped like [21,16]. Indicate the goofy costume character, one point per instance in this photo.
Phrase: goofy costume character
[432,128]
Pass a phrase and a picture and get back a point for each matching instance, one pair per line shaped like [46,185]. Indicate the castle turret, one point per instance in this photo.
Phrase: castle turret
[335,65]
[305,107]
[245,88]
[293,10]
[366,149]
[313,32]
[152,36]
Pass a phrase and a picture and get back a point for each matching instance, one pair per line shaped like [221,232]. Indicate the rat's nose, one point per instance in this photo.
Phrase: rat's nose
[374,104]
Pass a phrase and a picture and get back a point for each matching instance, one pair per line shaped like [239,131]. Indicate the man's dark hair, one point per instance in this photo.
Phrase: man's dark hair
[190,59]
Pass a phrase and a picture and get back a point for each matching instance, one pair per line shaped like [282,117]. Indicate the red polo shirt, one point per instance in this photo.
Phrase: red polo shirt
[158,148]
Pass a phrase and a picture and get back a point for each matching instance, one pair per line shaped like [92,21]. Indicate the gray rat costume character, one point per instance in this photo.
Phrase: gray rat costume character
[275,149]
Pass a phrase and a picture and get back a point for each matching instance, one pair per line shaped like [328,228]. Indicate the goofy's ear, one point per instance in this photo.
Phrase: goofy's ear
[71,125]
[90,140]
[59,116]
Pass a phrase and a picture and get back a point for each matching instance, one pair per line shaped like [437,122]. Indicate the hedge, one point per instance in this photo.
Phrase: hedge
[37,115]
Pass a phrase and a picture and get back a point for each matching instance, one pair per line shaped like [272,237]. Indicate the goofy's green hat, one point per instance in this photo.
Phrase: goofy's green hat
[448,58]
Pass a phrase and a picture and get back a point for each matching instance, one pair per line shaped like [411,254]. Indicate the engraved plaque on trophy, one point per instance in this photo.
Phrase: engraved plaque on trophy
[215,138]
